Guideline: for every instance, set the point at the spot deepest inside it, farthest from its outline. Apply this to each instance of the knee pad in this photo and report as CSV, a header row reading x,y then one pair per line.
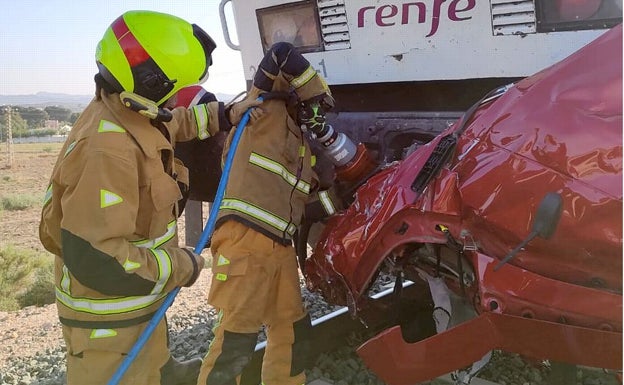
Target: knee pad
x,y
175,372
236,352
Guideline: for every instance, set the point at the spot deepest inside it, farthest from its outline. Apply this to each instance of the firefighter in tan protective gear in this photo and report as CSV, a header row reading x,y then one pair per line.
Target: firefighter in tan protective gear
x,y
255,278
110,210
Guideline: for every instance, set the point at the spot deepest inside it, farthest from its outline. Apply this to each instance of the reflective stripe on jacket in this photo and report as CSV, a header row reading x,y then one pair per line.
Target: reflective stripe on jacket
x,y
110,213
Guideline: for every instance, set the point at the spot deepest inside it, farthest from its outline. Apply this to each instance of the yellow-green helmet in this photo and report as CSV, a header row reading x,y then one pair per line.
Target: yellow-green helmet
x,y
153,54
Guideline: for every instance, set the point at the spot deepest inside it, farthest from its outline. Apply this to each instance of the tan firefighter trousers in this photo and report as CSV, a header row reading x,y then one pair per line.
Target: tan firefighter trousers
x,y
93,355
255,282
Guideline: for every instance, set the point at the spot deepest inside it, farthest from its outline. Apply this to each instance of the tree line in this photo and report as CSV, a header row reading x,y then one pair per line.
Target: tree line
x,y
30,121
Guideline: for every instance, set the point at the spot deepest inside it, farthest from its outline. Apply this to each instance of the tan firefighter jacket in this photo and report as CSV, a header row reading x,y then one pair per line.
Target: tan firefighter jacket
x,y
271,178
109,213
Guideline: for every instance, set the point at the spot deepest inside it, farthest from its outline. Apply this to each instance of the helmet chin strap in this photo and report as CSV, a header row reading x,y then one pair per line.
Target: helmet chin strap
x,y
145,107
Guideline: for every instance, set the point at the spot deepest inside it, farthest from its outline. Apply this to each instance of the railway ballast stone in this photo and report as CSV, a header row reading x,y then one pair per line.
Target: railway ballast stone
x,y
32,350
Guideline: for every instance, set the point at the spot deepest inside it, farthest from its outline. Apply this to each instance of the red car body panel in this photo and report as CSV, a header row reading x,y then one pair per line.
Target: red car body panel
x,y
526,321
398,363
559,130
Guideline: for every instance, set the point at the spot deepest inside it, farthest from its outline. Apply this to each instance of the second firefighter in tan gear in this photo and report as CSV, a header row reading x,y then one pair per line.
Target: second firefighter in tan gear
x,y
255,278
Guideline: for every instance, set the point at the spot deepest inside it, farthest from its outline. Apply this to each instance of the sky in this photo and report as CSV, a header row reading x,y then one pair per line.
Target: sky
x,y
49,45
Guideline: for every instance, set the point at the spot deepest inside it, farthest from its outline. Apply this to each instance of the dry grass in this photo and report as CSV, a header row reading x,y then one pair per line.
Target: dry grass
x,y
26,266
22,187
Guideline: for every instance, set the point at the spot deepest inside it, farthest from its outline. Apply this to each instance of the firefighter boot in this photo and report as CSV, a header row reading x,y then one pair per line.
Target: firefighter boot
x,y
176,372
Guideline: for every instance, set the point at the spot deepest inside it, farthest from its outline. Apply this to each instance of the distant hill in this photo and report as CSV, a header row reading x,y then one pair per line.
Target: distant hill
x,y
43,99
76,103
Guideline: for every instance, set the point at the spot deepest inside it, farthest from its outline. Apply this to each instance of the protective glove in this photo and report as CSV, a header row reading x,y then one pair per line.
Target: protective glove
x,y
311,116
198,265
236,111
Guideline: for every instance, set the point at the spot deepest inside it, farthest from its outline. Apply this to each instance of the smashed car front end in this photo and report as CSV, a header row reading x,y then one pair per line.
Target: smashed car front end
x,y
452,211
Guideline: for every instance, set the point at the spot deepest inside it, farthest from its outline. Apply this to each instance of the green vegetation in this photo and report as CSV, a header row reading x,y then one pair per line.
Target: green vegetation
x,y
26,278
61,114
15,202
32,121
36,148
41,292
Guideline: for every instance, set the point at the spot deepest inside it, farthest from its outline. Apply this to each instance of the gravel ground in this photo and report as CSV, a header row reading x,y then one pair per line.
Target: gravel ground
x,y
32,350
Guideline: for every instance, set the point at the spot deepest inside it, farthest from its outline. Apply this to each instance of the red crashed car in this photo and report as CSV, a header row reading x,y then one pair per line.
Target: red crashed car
x,y
508,224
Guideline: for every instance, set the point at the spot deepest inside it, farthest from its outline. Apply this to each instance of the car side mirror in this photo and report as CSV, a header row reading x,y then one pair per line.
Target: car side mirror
x,y
544,225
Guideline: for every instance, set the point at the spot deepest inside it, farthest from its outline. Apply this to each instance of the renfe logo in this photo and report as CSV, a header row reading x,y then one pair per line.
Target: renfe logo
x,y
387,15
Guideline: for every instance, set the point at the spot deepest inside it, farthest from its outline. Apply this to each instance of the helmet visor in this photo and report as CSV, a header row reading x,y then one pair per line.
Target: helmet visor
x,y
208,45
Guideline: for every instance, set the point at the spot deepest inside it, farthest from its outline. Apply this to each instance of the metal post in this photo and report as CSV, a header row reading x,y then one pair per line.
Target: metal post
x,y
193,222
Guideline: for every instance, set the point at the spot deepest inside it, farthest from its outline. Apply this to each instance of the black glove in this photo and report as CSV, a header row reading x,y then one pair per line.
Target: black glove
x,y
311,116
198,265
314,212
234,112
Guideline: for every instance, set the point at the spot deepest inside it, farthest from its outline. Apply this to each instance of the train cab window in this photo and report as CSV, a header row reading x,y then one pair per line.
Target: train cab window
x,y
564,15
295,23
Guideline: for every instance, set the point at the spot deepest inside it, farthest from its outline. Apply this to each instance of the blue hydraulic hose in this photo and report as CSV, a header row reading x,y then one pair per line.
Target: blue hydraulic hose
x,y
212,219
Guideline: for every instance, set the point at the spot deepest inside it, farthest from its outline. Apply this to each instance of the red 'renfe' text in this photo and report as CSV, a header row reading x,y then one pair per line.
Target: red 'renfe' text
x,y
405,13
